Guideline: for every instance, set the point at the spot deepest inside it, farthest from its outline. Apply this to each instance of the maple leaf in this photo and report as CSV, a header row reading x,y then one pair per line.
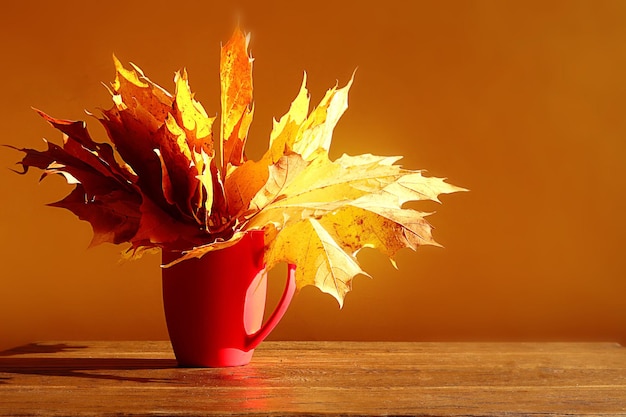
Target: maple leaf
x,y
236,93
105,194
356,202
321,261
174,193
114,216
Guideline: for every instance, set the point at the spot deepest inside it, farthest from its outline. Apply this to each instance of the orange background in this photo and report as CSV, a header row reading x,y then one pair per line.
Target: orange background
x,y
522,102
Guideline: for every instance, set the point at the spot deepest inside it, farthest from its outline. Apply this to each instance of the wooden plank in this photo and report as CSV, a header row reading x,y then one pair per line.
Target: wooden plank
x,y
317,378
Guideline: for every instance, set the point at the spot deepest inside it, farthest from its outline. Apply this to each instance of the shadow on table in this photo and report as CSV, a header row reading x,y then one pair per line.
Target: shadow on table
x,y
41,348
76,367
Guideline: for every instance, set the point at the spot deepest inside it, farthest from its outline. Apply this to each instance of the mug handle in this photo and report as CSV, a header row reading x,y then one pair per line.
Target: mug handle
x,y
253,340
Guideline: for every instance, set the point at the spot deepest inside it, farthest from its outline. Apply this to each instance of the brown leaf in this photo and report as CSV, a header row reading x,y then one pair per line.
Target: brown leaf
x,y
114,217
105,194
56,160
158,228
99,156
135,136
180,181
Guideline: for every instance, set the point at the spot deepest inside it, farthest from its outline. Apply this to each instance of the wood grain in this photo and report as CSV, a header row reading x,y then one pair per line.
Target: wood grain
x,y
317,378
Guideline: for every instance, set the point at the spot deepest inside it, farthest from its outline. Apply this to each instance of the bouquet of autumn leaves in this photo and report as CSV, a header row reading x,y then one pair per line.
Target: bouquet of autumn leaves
x,y
168,189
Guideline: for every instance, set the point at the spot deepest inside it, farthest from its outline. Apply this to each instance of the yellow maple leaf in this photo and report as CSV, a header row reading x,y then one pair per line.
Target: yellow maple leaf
x,y
321,261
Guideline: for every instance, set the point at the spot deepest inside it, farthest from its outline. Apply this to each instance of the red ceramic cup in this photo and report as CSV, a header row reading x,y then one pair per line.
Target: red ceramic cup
x,y
214,305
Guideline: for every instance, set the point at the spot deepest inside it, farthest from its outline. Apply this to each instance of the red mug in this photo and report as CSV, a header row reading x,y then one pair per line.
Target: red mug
x,y
214,305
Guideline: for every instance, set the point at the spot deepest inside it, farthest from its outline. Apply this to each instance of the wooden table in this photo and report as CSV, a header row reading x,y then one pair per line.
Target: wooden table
x,y
317,378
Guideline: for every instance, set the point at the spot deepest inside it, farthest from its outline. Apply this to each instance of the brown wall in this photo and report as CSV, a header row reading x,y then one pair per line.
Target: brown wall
x,y
522,102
